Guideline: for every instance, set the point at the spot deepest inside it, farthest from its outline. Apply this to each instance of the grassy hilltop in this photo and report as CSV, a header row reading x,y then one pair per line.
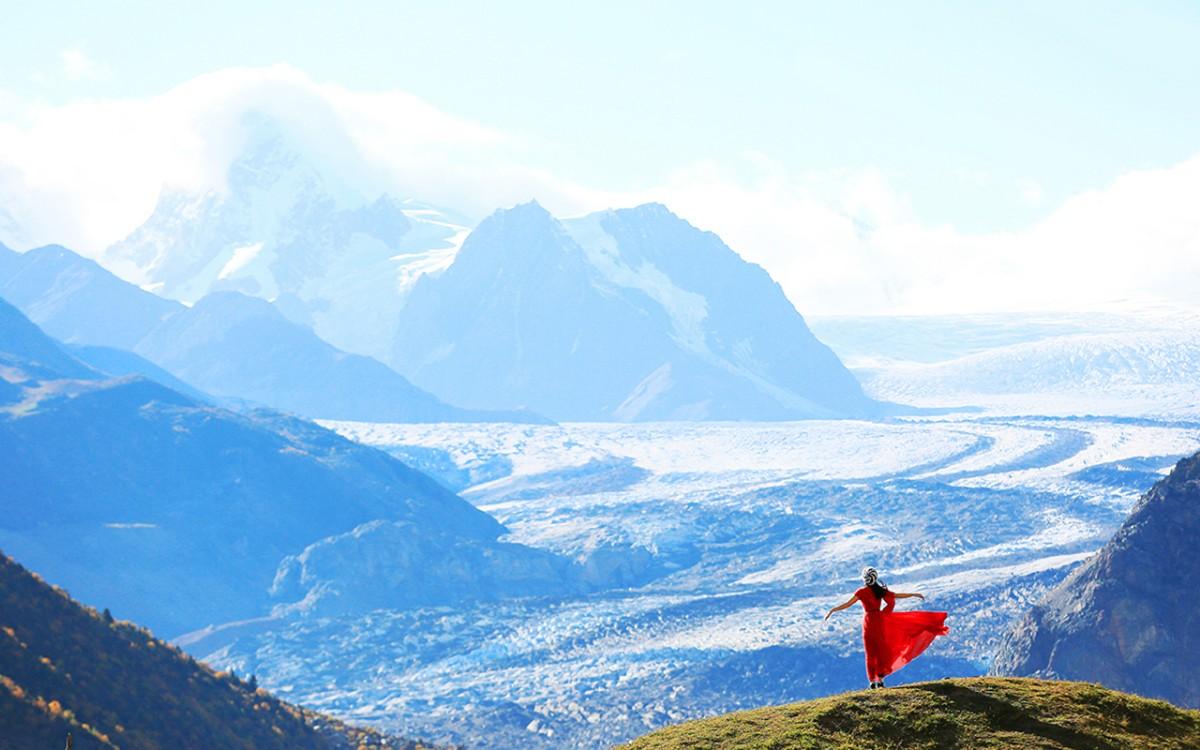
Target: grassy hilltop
x,y
1008,713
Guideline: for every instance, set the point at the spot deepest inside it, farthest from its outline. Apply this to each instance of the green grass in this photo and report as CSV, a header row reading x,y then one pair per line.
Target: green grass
x,y
1008,713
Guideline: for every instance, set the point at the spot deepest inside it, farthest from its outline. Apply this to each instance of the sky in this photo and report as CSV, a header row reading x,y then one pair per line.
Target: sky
x,y
874,157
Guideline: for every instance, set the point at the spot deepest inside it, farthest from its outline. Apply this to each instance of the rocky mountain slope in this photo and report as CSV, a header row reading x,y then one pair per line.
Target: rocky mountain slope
x,y
1128,618
66,670
1004,714
624,315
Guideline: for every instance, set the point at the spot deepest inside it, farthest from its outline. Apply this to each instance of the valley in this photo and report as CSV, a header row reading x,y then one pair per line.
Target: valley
x,y
732,538
555,389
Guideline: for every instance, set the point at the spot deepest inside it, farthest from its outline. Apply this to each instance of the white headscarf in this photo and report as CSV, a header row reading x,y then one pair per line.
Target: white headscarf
x,y
870,576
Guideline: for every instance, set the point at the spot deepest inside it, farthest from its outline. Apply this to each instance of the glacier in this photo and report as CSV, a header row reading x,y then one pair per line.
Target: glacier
x,y
1130,361
751,530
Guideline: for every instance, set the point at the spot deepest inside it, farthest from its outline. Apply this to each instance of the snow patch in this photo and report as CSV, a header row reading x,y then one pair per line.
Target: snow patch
x,y
652,386
240,258
687,310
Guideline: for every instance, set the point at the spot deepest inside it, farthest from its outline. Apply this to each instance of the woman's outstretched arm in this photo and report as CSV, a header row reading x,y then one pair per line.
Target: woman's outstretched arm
x,y
913,595
842,606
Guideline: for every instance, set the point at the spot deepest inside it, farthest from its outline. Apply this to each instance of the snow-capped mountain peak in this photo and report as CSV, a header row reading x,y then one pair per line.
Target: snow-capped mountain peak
x,y
286,228
272,162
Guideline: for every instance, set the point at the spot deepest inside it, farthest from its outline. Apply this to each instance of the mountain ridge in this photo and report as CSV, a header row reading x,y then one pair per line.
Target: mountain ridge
x,y
77,300
242,347
580,324
20,339
628,314
239,348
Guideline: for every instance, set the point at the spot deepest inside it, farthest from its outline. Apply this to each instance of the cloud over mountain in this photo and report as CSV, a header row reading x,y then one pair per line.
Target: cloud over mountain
x,y
86,173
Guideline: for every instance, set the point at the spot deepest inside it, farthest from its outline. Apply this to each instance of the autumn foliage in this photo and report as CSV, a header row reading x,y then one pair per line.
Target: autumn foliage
x,y
66,669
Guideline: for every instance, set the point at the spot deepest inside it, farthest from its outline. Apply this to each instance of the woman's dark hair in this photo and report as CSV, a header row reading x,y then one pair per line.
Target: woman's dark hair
x,y
878,589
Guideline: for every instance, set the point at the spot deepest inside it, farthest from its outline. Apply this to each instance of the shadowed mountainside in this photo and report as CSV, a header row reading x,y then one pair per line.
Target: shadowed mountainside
x,y
175,512
67,669
182,515
1127,618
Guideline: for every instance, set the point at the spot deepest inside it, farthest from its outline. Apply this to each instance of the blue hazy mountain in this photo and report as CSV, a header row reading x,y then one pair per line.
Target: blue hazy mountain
x,y
24,345
236,346
76,301
174,512
227,345
631,314
118,362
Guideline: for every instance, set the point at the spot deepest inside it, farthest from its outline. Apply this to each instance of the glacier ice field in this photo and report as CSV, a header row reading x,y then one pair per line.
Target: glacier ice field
x,y
748,532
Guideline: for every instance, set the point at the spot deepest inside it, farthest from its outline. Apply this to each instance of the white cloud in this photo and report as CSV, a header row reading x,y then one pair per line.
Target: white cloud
x,y
77,66
853,247
86,173
1031,192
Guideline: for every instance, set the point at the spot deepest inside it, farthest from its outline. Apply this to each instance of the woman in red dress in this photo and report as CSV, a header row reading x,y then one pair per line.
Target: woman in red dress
x,y
891,639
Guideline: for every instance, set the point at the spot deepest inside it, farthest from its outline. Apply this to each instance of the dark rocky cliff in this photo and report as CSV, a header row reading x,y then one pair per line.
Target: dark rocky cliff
x,y
1129,617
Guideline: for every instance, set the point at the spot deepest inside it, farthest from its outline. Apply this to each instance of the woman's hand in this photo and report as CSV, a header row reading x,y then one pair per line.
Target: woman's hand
x,y
842,606
920,596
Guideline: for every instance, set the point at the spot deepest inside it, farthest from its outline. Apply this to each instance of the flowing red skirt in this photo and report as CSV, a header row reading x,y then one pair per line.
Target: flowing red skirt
x,y
893,639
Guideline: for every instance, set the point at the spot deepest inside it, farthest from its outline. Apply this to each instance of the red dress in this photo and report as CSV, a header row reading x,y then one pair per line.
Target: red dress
x,y
893,639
